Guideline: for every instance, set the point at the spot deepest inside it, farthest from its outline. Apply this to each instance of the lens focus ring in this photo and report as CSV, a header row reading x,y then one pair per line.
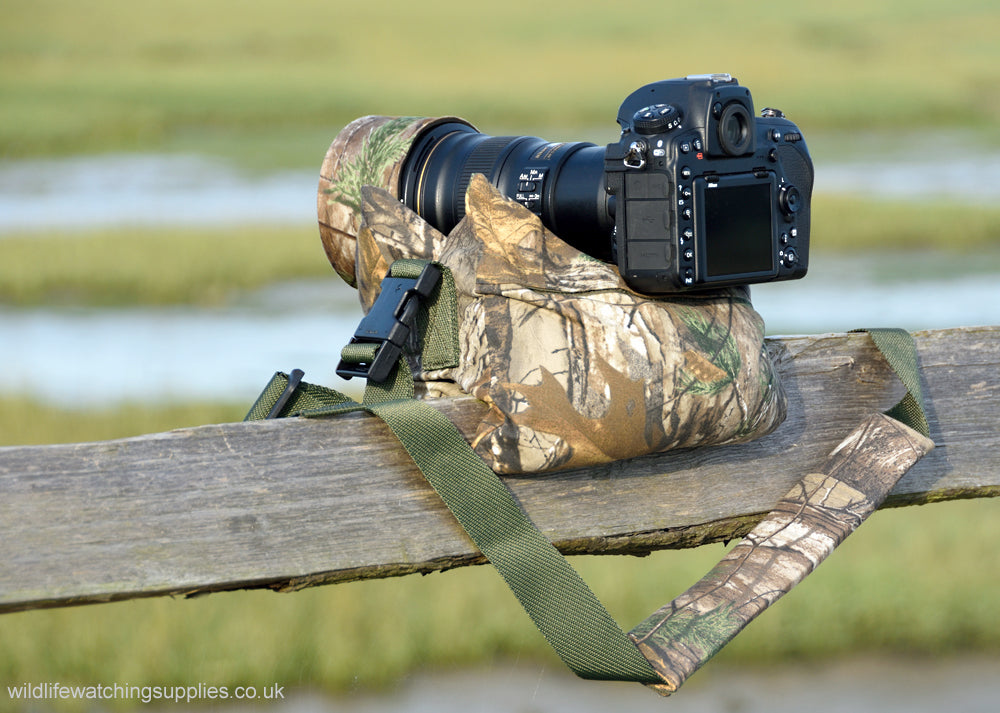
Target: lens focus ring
x,y
482,159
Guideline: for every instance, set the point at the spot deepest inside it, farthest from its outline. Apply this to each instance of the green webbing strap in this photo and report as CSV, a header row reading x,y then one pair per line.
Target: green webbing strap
x,y
306,398
438,323
437,319
900,351
559,602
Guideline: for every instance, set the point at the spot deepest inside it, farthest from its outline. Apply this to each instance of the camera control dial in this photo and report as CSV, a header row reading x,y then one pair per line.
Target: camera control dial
x,y
789,200
656,119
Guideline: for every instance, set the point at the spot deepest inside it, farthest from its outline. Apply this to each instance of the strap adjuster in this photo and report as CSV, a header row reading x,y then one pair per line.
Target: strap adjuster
x,y
390,325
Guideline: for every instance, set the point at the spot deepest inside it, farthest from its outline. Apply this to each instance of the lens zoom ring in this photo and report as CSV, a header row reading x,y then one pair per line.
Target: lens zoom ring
x,y
482,159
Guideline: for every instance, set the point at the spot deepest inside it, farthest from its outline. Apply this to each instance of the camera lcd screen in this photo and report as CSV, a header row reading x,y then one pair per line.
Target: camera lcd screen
x,y
738,236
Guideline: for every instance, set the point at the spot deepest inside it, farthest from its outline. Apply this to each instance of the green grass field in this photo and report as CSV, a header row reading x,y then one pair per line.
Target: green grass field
x,y
158,267
268,85
262,81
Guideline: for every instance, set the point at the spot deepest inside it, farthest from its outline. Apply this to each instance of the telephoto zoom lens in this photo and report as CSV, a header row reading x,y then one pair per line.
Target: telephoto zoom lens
x,y
563,183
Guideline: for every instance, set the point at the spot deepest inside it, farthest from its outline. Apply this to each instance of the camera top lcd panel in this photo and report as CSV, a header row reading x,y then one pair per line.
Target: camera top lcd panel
x,y
705,194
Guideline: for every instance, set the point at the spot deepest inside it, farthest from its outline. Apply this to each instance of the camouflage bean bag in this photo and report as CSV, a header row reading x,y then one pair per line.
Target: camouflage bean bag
x,y
576,368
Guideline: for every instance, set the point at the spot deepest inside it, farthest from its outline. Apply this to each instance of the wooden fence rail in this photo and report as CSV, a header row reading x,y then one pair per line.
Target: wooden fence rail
x,y
297,502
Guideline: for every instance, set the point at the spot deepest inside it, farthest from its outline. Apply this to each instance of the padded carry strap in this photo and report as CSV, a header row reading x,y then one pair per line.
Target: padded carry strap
x,y
664,650
807,524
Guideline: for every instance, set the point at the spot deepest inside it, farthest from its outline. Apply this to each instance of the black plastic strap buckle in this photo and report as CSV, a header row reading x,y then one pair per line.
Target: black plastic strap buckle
x,y
391,324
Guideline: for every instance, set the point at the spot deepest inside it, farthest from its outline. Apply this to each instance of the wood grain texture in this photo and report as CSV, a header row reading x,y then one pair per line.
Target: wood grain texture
x,y
291,503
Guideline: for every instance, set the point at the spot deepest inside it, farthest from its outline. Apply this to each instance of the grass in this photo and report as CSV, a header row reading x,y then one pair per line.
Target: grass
x,y
157,267
912,581
26,422
103,75
851,224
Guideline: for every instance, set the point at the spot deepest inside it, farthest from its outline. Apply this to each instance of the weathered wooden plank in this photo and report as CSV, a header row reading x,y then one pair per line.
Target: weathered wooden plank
x,y
296,502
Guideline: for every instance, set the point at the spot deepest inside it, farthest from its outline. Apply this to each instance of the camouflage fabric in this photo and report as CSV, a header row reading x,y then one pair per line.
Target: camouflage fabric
x,y
577,369
368,152
802,530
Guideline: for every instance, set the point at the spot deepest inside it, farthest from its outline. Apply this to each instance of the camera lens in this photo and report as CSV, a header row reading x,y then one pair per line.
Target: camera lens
x,y
563,183
735,129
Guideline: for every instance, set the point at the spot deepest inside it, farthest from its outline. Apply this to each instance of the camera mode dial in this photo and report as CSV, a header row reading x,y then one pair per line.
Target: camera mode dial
x,y
656,119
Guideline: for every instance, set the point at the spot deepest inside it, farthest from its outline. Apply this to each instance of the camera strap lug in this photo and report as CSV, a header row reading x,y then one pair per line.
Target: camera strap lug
x,y
636,155
389,328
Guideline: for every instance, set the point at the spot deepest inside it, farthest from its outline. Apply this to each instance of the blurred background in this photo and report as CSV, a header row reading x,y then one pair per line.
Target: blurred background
x,y
159,260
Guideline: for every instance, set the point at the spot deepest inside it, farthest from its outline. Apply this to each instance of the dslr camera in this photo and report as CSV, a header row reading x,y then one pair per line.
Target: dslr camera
x,y
697,193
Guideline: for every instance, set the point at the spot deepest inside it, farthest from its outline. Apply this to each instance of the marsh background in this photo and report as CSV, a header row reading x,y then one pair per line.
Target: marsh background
x,y
159,260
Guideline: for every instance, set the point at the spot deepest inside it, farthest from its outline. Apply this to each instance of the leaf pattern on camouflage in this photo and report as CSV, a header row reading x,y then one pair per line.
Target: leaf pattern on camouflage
x,y
529,255
383,147
754,419
386,235
697,635
616,434
716,362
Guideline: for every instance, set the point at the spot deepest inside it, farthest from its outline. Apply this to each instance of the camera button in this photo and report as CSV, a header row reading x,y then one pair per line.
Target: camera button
x,y
789,200
789,258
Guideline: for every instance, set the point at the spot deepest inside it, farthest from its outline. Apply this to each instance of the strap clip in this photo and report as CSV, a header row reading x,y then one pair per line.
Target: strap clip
x,y
391,325
294,379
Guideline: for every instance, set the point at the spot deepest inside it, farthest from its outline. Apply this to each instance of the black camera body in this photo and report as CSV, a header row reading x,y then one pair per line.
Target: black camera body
x,y
696,194
705,194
